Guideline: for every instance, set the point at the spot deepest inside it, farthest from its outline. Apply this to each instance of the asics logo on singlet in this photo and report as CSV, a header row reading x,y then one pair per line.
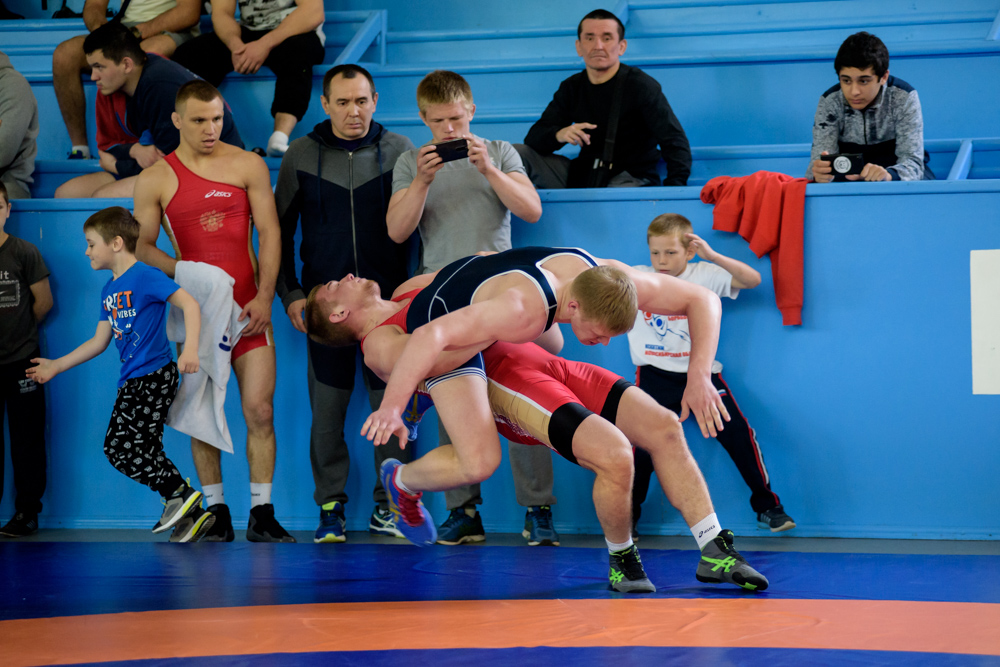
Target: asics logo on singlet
x,y
217,193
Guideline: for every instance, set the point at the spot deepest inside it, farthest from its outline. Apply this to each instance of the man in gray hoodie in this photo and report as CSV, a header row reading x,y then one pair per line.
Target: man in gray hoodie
x,y
18,129
338,181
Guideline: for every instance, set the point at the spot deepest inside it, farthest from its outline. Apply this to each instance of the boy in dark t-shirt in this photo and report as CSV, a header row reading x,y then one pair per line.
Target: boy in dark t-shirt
x,y
25,299
133,312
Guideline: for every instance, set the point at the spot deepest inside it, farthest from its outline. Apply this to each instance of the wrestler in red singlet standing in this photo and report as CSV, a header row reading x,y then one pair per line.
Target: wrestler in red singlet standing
x,y
210,196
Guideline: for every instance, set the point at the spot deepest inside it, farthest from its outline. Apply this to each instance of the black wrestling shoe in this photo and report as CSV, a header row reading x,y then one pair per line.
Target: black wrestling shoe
x,y
626,574
222,529
263,527
720,562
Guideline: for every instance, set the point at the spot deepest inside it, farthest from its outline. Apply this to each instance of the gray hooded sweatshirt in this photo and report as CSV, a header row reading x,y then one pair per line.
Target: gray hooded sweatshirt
x,y
18,129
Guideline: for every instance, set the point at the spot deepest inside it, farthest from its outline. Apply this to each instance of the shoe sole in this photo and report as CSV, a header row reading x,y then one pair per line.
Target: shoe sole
x,y
199,528
736,579
788,525
634,587
385,532
526,534
463,540
185,509
330,539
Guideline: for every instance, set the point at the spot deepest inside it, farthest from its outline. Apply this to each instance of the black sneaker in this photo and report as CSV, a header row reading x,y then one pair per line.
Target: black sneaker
x,y
626,574
222,529
775,519
21,525
460,528
177,506
263,527
194,526
720,562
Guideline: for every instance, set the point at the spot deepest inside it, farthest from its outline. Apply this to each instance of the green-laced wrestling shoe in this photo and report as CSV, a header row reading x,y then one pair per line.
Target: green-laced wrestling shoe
x,y
626,574
720,562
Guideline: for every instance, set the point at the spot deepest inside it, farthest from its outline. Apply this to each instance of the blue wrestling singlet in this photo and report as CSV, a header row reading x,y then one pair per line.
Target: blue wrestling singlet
x,y
455,287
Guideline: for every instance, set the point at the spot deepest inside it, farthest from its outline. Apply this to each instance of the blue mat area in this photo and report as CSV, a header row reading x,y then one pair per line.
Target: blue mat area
x,y
546,657
41,580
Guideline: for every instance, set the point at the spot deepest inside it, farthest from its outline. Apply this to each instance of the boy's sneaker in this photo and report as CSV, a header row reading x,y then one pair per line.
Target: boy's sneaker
x,y
538,528
21,525
459,528
177,506
409,514
721,562
775,519
263,527
194,526
383,523
419,404
626,574
222,528
331,524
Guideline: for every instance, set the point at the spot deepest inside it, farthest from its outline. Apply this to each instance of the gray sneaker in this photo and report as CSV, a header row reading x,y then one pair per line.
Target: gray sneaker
x,y
720,562
177,506
193,527
626,574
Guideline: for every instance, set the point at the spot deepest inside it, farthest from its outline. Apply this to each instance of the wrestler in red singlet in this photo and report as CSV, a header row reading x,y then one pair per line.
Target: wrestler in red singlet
x,y
399,319
208,221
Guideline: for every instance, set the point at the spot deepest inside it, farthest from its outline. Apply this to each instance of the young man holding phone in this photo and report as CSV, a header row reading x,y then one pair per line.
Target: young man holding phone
x,y
461,202
869,126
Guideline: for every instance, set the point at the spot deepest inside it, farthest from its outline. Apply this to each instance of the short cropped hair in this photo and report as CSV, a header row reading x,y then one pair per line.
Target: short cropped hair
x,y
112,222
608,296
863,50
319,326
116,42
198,89
601,15
348,71
670,224
3,193
443,87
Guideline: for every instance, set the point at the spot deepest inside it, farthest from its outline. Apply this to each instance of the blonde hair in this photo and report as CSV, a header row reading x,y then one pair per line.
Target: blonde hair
x,y
669,224
321,329
443,87
607,296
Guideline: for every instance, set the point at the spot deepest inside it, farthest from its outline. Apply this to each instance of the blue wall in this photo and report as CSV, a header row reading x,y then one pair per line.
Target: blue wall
x,y
865,413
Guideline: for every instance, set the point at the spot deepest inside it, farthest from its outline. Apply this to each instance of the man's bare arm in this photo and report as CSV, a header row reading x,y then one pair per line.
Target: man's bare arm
x,y
307,16
224,23
149,213
265,219
95,14
182,16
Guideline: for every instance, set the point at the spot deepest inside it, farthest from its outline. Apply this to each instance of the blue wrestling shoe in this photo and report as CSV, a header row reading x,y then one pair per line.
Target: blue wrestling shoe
x,y
411,517
420,404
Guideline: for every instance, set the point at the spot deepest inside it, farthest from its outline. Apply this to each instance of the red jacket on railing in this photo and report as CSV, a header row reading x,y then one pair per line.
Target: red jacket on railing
x,y
766,209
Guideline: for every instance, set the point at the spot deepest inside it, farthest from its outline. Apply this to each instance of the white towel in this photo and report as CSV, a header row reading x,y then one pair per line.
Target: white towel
x,y
199,407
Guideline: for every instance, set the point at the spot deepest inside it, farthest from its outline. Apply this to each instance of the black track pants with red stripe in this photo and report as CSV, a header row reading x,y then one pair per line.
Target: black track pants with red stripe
x,y
738,438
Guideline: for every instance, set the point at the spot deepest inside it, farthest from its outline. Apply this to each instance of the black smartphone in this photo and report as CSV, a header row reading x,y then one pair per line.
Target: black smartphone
x,y
455,149
844,164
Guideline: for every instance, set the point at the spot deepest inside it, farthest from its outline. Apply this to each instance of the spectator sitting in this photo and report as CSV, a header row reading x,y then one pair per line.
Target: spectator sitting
x,y
150,84
284,35
18,129
160,25
580,113
869,113
461,207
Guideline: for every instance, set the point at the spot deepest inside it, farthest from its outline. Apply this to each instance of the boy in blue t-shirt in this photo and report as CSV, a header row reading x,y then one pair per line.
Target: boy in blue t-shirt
x,y
25,299
133,312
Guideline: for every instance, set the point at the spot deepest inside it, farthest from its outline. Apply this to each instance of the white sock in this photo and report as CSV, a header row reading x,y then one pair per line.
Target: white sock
x,y
277,144
260,494
612,547
705,530
213,494
399,481
85,150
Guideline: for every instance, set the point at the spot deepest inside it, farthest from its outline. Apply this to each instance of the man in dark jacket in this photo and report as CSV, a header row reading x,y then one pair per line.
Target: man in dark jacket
x,y
150,84
338,181
579,115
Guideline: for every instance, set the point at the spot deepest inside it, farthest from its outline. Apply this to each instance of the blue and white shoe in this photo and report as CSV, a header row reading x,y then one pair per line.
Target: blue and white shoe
x,y
419,404
411,517
331,524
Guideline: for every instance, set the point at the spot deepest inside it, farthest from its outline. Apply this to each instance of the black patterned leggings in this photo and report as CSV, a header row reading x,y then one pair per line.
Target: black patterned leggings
x,y
134,442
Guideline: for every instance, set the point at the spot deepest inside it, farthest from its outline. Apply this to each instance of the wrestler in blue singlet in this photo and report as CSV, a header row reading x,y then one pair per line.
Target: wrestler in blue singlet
x,y
455,287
